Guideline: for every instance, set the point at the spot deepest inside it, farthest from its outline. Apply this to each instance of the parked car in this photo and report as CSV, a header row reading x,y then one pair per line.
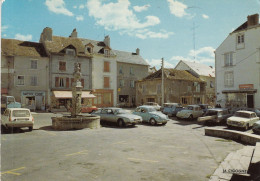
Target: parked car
x,y
205,107
256,127
156,106
17,118
171,109
215,115
150,115
88,109
242,119
9,102
190,112
257,111
118,115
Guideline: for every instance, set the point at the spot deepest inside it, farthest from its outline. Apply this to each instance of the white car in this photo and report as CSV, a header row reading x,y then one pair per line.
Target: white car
x,y
242,119
17,118
156,106
190,112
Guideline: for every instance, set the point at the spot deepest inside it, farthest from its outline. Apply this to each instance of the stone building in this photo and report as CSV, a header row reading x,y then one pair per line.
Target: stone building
x,y
63,53
237,62
180,86
25,73
205,73
130,68
104,69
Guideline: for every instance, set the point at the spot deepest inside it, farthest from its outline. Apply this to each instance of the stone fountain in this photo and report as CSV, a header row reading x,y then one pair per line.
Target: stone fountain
x,y
76,120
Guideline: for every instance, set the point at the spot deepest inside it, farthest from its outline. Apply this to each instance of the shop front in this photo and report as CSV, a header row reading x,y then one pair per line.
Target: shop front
x,y
33,100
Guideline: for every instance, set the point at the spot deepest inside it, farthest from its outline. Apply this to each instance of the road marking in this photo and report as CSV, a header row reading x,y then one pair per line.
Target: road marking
x,y
137,159
12,171
78,153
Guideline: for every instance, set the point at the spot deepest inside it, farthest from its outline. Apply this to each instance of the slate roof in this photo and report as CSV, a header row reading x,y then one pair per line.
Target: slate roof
x,y
129,57
173,74
58,44
12,47
200,69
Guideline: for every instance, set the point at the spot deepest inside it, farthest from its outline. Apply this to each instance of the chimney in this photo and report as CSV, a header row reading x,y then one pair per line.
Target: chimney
x,y
107,40
46,35
252,20
74,33
137,51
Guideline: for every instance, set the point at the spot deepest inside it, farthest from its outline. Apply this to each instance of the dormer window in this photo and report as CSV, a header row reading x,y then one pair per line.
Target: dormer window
x,y
89,49
107,52
70,52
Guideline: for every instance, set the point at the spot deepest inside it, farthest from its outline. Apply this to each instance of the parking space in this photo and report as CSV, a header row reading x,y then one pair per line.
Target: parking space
x,y
177,151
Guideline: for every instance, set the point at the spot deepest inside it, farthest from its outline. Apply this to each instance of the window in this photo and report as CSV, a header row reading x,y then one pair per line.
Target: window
x,y
159,88
70,52
184,100
79,66
33,64
106,82
131,71
33,81
228,58
121,83
62,66
106,66
240,39
20,80
89,49
120,70
198,87
132,83
211,84
61,82
229,79
106,52
189,88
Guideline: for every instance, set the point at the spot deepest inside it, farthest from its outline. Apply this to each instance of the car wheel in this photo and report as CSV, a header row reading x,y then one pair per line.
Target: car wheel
x,y
153,122
247,127
229,127
191,117
30,128
121,123
163,123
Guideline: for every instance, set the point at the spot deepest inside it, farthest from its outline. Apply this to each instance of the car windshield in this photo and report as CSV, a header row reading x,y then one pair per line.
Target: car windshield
x,y
10,99
242,114
189,108
21,113
211,113
151,110
120,111
167,105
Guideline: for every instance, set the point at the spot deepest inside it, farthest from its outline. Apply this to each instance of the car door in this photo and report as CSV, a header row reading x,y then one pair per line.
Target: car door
x,y
144,114
103,114
253,119
110,115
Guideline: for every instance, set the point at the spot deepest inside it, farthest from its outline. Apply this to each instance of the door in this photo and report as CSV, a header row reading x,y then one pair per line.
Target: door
x,y
39,102
250,101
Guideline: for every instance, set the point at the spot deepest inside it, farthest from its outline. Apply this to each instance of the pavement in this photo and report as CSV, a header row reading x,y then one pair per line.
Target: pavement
x,y
177,151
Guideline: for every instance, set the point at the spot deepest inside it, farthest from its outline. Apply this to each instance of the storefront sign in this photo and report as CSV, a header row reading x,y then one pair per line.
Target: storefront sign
x,y
32,93
246,86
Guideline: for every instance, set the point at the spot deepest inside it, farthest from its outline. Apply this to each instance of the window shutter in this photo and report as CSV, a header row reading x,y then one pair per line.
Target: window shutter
x,y
71,81
106,82
67,82
56,81
82,82
106,67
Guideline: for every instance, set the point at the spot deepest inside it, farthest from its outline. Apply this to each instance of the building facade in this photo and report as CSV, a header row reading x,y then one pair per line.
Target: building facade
x,y
205,73
130,68
237,62
63,53
180,86
25,73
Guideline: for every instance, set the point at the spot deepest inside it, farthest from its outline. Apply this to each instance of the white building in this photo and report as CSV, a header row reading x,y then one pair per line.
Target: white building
x,y
237,62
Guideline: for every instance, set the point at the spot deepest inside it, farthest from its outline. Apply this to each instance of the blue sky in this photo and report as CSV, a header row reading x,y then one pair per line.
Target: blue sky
x,y
160,28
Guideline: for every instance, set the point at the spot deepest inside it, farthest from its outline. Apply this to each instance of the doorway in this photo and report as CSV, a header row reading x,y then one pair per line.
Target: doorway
x,y
250,101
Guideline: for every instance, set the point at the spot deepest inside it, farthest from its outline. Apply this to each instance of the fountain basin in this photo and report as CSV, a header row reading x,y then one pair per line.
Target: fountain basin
x,y
79,122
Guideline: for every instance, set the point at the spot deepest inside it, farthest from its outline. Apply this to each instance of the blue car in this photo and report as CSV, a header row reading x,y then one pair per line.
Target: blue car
x,y
171,109
150,115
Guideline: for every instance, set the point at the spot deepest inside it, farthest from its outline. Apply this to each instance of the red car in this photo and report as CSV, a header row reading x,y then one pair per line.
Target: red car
x,y
88,109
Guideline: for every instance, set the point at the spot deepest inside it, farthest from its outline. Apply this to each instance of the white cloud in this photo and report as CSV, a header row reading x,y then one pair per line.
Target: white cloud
x,y
158,63
4,28
81,6
119,17
141,8
177,8
143,34
205,16
80,18
75,7
23,37
5,35
203,55
58,7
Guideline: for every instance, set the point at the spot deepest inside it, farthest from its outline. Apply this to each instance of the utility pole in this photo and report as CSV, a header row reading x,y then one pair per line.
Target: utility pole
x,y
162,81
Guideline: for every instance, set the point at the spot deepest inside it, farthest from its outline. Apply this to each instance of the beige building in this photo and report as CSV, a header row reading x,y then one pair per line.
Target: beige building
x,y
180,86
130,68
63,53
205,73
25,73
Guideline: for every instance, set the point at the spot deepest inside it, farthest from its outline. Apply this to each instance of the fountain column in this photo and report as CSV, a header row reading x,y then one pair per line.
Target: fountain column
x,y
76,91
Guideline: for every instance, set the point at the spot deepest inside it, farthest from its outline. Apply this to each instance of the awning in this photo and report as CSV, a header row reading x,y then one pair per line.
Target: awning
x,y
68,94
240,91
